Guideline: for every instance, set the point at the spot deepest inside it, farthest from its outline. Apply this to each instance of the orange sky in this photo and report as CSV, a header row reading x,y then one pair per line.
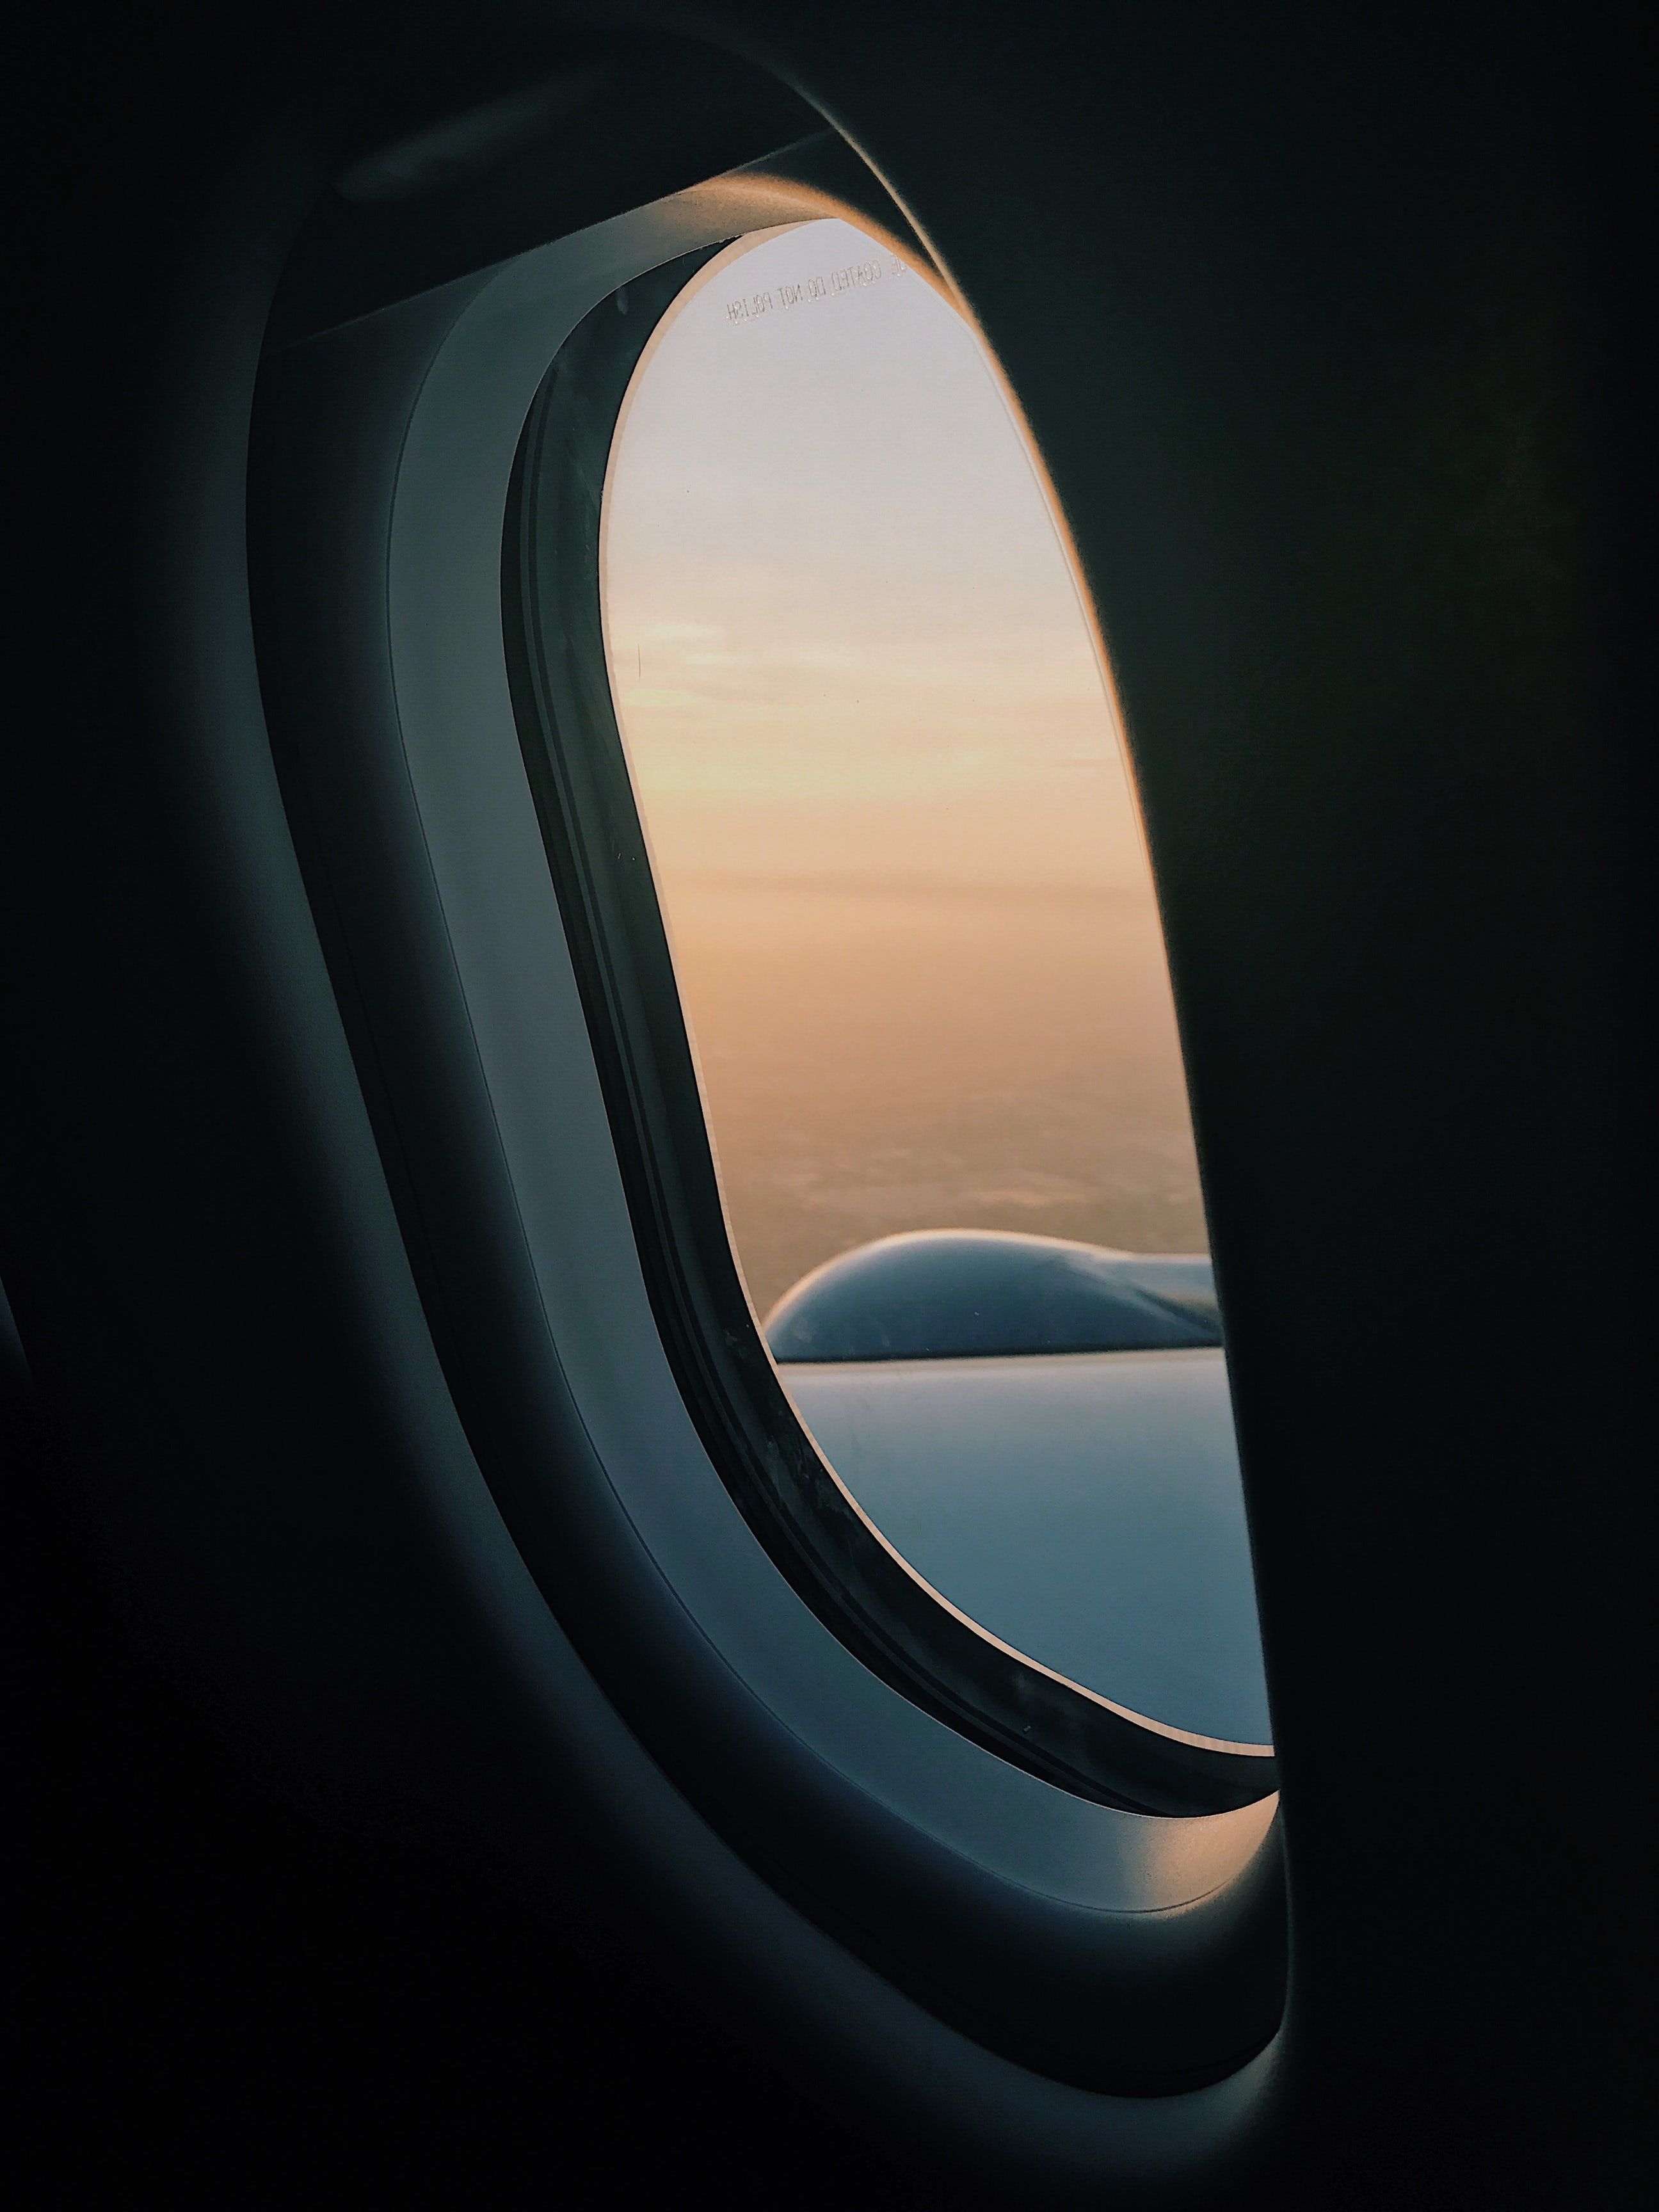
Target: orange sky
x,y
913,918
842,632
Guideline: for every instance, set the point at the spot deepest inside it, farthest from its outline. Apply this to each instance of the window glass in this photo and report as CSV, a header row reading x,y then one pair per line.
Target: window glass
x,y
914,928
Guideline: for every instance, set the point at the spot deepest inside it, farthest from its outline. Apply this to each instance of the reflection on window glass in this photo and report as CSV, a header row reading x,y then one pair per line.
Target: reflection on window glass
x,y
920,956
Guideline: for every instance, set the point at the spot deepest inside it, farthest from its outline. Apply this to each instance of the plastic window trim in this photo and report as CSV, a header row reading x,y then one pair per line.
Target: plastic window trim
x,y
1104,1946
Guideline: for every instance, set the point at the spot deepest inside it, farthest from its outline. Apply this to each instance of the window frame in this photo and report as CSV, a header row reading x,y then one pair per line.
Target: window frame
x,y
1106,1948
814,1530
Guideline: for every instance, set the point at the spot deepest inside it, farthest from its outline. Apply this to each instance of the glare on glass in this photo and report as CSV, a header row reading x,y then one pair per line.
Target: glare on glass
x,y
875,752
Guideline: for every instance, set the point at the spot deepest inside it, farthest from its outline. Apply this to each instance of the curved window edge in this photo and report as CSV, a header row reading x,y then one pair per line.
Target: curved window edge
x,y
826,1546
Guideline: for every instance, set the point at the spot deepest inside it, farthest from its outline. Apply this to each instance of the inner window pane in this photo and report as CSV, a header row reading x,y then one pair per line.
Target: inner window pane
x,y
913,926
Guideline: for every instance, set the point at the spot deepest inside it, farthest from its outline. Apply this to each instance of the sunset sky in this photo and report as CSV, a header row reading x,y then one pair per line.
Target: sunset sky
x,y
899,859
842,631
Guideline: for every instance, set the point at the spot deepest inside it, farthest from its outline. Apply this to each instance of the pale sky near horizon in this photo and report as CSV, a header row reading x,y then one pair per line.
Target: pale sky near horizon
x,y
843,635
912,913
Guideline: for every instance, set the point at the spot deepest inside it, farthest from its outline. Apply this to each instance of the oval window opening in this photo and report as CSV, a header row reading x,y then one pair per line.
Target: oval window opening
x,y
913,926
832,793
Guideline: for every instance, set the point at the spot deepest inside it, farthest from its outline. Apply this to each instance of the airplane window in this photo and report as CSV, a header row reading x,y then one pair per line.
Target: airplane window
x,y
869,772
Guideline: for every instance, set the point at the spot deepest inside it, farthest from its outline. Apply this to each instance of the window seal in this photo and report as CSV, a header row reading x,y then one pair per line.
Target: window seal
x,y
813,1528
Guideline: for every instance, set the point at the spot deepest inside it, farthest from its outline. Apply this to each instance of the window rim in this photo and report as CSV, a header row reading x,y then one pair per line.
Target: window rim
x,y
814,1530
